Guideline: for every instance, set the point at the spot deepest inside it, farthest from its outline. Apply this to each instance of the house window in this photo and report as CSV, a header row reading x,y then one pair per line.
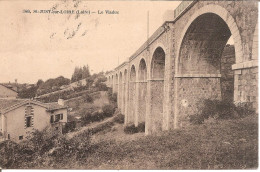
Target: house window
x,y
20,137
28,121
8,136
29,112
52,119
56,118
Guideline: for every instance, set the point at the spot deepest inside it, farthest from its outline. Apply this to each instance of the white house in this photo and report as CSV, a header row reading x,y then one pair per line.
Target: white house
x,y
19,117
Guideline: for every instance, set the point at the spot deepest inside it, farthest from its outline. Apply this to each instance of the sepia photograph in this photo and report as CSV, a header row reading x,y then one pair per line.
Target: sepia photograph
x,y
129,85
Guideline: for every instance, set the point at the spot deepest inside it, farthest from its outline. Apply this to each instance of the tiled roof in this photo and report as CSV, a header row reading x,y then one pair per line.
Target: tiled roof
x,y
10,104
6,103
54,106
10,88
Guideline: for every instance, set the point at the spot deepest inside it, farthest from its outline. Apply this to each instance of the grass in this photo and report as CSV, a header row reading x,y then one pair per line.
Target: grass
x,y
225,144
216,144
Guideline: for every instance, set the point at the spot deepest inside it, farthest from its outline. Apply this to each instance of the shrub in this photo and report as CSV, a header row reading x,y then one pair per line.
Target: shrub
x,y
69,127
86,118
112,96
130,129
88,98
220,110
141,127
244,109
97,116
108,110
102,127
44,149
120,118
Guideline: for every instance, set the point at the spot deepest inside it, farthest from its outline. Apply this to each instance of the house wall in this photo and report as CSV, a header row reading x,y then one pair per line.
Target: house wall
x,y
64,112
15,121
7,93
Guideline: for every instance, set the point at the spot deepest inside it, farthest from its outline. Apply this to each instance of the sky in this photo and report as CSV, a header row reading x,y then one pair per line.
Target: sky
x,y
41,46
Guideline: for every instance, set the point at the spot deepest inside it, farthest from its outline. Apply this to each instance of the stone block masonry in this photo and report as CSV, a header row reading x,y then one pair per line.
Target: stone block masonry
x,y
186,61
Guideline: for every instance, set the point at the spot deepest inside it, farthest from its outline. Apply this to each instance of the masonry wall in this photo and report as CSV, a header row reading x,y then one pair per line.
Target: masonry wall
x,y
227,74
246,86
157,97
192,92
142,102
244,14
200,74
132,102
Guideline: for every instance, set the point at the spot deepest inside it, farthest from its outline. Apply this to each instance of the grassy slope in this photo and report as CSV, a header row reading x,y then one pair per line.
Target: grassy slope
x,y
228,144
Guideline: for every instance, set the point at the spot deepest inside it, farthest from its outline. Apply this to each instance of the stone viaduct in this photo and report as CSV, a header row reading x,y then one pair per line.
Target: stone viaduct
x,y
180,64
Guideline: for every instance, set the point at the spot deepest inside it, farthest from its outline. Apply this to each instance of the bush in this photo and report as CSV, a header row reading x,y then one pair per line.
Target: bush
x,y
86,118
108,110
44,149
120,118
97,116
141,127
131,129
112,96
88,98
69,127
220,110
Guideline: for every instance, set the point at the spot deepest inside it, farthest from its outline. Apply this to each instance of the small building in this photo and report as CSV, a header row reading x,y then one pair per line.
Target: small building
x,y
19,117
7,92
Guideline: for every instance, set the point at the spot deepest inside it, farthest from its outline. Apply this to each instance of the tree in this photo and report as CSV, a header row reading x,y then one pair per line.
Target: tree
x,y
85,72
80,73
39,82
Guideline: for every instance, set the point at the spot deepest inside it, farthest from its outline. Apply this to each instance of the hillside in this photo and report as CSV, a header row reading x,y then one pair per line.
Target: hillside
x,y
227,144
216,144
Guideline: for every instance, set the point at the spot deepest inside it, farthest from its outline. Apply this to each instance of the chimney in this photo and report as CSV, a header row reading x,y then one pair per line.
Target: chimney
x,y
61,102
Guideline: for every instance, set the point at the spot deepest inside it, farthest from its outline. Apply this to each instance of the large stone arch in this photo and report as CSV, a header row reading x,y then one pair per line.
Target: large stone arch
x,y
199,52
159,44
229,20
142,90
156,88
132,95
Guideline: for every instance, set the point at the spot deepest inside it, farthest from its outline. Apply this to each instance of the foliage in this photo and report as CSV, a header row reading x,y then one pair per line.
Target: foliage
x,y
119,118
131,129
52,85
80,73
28,92
220,110
87,98
108,110
69,127
99,115
112,96
44,149
141,127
